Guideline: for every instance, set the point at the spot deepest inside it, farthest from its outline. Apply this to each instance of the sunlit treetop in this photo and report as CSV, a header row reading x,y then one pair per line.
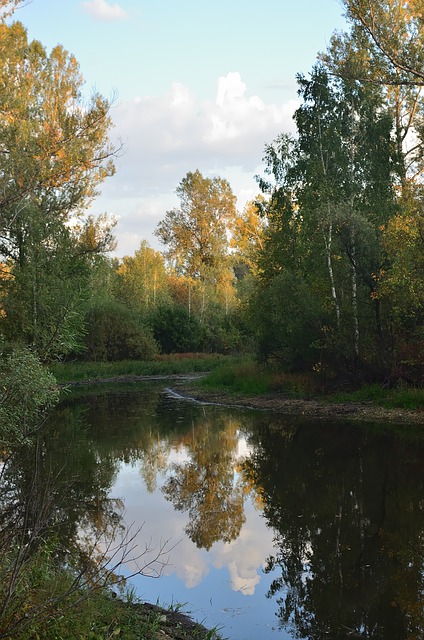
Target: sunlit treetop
x,y
385,44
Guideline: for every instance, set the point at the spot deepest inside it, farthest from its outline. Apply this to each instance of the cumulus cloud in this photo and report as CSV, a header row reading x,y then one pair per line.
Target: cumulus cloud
x,y
168,135
103,10
244,557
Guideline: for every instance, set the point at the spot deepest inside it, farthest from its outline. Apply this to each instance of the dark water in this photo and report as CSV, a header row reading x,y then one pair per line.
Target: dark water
x,y
270,527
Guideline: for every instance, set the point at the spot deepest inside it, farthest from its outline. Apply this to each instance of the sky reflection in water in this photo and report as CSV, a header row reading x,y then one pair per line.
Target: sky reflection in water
x,y
316,533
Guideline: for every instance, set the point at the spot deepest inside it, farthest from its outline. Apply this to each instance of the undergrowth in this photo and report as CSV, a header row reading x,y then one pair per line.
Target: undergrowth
x,y
163,365
249,378
403,398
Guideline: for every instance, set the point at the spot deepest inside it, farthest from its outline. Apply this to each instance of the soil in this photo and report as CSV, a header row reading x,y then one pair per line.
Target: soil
x,y
172,624
185,387
313,408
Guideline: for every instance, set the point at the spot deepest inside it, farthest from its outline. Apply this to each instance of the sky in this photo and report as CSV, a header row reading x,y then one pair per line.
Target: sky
x,y
194,85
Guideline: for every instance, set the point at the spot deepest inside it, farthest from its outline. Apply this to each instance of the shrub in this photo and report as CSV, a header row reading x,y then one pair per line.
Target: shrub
x,y
174,329
115,332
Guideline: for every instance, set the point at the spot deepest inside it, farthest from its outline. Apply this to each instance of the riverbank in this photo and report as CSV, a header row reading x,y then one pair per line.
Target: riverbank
x,y
185,386
164,624
314,408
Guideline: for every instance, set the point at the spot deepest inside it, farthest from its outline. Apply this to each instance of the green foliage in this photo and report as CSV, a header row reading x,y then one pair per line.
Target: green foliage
x,y
245,378
161,365
401,398
318,301
174,329
55,153
222,332
114,332
27,392
288,321
44,297
84,614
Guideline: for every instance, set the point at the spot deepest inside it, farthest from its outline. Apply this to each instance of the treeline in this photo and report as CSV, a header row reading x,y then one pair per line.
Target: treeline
x,y
323,272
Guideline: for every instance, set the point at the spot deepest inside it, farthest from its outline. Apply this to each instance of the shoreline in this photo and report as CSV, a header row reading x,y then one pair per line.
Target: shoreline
x,y
275,402
313,408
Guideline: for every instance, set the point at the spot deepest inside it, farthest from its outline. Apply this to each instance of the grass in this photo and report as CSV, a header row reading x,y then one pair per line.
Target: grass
x,y
238,376
101,617
46,606
163,365
402,398
246,377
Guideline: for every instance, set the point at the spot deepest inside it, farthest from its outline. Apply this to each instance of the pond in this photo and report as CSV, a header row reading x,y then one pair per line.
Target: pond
x,y
266,526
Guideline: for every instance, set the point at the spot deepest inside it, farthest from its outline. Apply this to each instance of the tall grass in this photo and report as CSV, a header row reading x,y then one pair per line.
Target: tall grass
x,y
164,365
403,398
236,375
249,378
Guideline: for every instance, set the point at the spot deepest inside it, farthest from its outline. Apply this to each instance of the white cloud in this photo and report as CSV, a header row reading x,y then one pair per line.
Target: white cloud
x,y
168,135
102,10
244,557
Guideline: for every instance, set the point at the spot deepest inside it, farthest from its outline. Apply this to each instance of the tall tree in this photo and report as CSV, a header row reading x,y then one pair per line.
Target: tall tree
x,y
330,196
384,47
54,153
197,233
389,34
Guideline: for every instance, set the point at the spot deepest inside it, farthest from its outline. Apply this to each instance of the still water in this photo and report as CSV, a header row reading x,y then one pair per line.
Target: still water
x,y
271,527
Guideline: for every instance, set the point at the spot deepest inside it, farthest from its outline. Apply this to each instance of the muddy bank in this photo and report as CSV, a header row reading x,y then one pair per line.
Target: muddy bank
x,y
184,386
314,408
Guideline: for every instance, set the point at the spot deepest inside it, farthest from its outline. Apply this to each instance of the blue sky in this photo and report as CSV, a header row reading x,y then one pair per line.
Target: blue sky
x,y
198,85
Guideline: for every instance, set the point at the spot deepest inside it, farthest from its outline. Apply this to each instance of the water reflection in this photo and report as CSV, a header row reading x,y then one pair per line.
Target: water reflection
x,y
204,485
346,504
48,496
325,520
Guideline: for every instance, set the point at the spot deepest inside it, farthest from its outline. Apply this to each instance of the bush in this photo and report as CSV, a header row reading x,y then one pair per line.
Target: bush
x,y
174,329
288,322
27,392
115,332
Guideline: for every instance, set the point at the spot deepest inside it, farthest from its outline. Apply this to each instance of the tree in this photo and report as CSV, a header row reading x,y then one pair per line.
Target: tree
x,y
7,7
330,196
197,234
248,236
143,279
47,293
391,34
384,48
55,149
54,154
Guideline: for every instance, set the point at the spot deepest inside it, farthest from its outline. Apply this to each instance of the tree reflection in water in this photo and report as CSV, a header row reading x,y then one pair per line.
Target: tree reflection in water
x,y
205,486
347,507
54,513
345,502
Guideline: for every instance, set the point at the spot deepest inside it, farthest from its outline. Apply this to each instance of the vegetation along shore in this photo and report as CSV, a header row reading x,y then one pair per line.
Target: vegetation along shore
x,y
311,298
